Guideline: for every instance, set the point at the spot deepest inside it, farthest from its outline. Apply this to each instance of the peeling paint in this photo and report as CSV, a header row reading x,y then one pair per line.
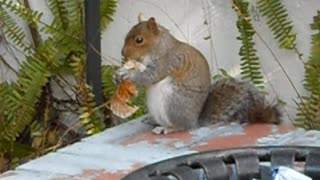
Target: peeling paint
x,y
90,174
156,139
8,174
246,137
204,133
299,137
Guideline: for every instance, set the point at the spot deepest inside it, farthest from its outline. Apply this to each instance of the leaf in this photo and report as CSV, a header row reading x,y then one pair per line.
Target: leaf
x,y
107,9
308,115
250,65
278,22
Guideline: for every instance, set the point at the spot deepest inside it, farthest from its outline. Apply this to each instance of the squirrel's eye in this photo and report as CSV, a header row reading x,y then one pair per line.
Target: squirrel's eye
x,y
139,40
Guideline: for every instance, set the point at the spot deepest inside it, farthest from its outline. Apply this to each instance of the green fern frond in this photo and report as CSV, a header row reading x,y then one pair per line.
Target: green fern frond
x,y
278,22
312,67
68,24
4,89
60,14
223,74
16,149
250,66
31,17
312,76
67,28
37,134
89,114
48,53
76,11
308,115
23,96
36,129
14,32
78,67
107,9
76,18
109,88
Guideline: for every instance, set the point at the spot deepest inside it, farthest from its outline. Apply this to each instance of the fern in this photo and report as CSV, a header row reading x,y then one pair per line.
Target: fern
x,y
23,96
76,21
60,13
13,31
222,75
30,16
109,88
107,9
64,41
308,115
76,14
278,22
89,114
250,66
39,133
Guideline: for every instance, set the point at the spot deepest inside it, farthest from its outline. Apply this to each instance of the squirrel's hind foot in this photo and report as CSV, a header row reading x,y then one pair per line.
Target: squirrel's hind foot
x,y
164,130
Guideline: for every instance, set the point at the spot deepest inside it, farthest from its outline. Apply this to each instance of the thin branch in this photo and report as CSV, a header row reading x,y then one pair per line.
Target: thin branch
x,y
171,19
212,52
7,64
96,51
34,32
8,46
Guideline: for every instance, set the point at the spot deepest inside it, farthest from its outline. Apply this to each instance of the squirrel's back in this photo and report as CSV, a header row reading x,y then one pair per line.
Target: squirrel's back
x,y
232,100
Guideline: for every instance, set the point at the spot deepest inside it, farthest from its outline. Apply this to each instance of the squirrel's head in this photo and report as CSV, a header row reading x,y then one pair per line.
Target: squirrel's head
x,y
140,39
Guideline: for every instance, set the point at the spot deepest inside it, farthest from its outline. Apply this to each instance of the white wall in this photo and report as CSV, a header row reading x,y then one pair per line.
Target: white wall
x,y
185,19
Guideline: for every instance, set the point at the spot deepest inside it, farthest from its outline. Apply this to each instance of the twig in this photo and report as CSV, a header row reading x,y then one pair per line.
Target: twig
x,y
213,52
8,46
7,64
34,32
171,19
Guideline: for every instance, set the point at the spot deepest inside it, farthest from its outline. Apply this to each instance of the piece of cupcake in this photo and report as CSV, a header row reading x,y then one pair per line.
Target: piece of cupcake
x,y
120,102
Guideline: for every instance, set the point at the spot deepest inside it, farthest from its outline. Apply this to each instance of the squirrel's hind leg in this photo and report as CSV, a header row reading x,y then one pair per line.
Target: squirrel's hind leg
x,y
150,121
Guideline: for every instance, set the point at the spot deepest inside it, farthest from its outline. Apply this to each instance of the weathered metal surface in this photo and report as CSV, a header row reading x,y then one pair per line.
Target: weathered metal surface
x,y
122,149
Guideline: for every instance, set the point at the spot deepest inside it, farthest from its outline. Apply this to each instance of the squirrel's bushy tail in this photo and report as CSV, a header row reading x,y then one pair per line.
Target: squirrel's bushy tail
x,y
264,113
232,100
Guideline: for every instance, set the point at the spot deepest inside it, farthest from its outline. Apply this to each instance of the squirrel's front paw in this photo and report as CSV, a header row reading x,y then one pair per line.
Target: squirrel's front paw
x,y
120,75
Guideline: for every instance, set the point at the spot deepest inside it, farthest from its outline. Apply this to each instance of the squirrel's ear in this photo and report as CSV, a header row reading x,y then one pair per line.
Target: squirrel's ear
x,y
152,25
140,17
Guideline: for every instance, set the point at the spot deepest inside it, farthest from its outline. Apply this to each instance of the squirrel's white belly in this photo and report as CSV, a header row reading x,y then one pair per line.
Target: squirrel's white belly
x,y
157,97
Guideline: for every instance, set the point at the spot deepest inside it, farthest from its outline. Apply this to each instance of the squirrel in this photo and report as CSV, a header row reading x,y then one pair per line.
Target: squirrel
x,y
180,95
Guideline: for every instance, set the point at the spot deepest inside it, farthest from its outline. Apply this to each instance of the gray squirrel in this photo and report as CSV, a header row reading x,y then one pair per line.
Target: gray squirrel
x,y
180,95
